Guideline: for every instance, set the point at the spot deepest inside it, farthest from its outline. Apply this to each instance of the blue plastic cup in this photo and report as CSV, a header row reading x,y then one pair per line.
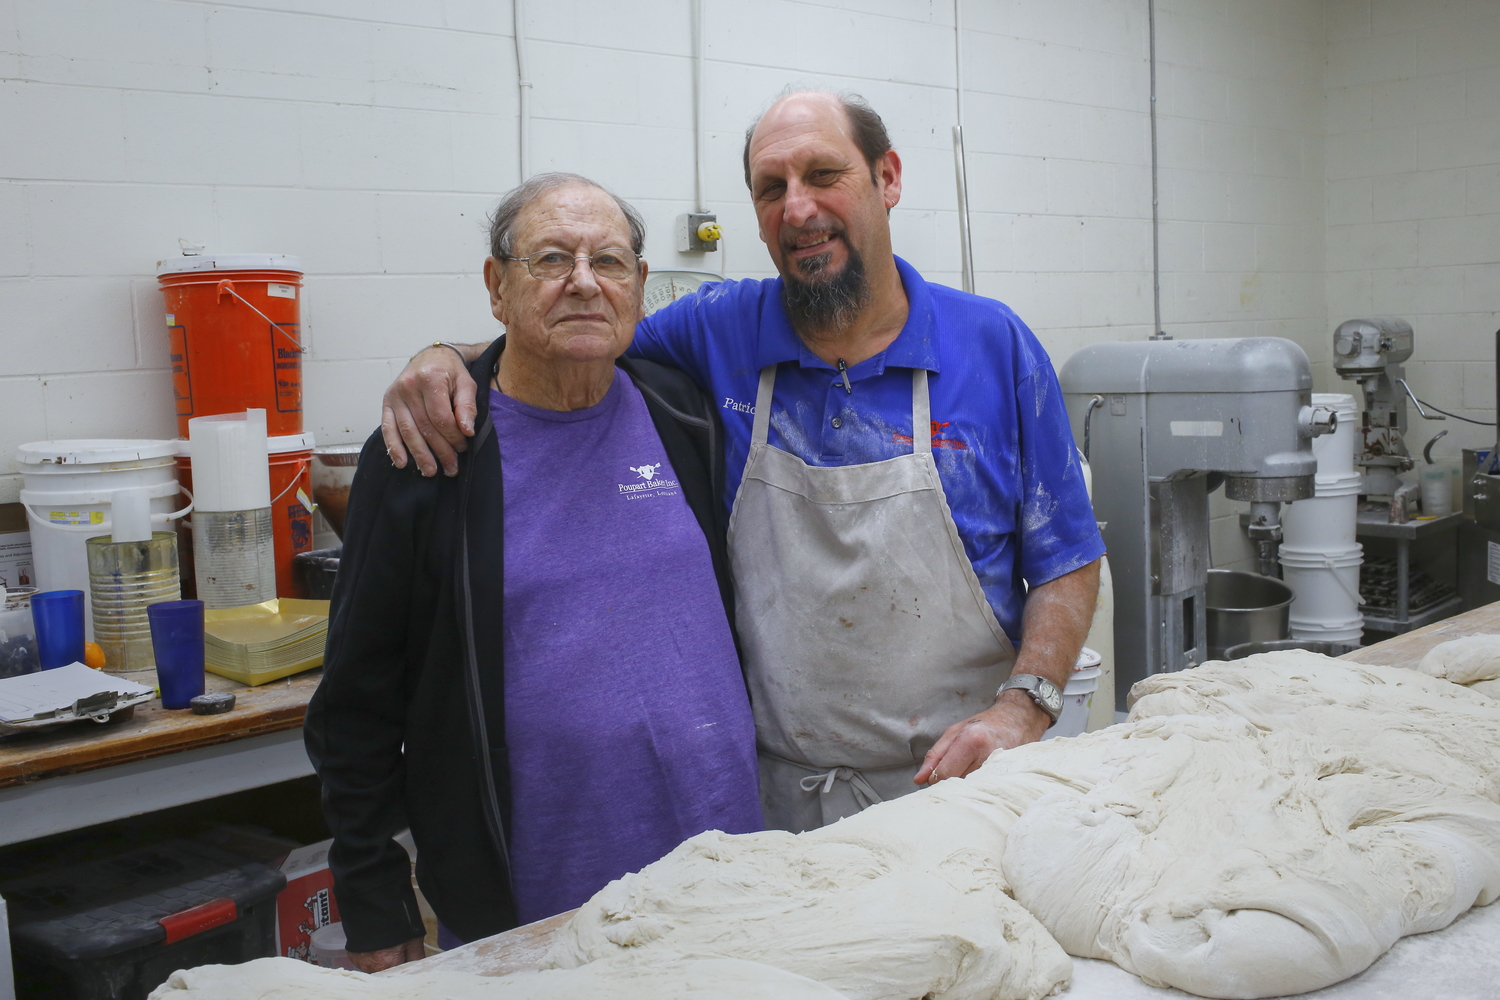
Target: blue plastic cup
x,y
58,617
177,641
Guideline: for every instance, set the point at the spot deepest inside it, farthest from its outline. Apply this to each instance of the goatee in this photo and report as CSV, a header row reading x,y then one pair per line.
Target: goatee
x,y
825,303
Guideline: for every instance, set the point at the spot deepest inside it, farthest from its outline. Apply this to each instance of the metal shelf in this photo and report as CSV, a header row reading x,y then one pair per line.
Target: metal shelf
x,y
1439,611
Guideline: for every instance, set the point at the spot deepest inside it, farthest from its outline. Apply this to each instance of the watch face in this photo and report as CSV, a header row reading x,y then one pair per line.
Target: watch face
x,y
1051,695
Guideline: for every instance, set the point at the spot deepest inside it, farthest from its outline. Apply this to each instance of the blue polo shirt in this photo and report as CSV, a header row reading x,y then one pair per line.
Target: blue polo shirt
x,y
1000,435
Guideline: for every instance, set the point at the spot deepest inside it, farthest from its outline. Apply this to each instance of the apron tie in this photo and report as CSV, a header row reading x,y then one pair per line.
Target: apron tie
x,y
864,794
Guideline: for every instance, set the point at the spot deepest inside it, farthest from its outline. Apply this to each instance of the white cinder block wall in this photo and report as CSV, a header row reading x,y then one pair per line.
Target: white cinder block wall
x,y
1413,160
371,138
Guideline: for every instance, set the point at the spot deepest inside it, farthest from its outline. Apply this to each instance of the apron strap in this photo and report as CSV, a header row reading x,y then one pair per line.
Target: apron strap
x,y
865,795
762,427
921,413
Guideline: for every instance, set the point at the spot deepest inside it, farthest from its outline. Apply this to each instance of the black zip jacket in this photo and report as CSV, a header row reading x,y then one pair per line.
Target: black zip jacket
x,y
407,727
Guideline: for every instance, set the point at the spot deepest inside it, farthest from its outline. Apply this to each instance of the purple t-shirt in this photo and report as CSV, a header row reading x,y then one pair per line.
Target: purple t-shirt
x,y
626,717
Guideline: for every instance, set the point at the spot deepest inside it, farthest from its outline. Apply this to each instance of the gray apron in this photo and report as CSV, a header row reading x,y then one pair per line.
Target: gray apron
x,y
864,628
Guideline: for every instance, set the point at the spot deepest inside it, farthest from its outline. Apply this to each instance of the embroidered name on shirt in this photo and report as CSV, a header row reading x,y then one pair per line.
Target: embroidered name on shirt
x,y
937,442
737,406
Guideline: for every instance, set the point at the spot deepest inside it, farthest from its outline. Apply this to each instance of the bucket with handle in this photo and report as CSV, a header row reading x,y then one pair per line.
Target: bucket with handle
x,y
67,495
235,333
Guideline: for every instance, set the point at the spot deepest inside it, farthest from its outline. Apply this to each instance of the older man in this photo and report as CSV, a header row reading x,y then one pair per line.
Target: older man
x,y
530,663
903,473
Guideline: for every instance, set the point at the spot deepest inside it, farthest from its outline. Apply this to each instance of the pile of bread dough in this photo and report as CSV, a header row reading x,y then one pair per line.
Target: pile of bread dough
x,y
1258,828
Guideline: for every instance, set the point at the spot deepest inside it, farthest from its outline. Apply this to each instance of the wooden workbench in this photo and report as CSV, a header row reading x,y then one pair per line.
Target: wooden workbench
x,y
1428,957
80,773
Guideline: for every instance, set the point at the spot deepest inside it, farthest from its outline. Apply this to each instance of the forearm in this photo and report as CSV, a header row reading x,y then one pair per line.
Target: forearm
x,y
1055,624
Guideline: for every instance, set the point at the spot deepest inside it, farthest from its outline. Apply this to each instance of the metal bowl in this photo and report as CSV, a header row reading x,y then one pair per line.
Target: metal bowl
x,y
1245,649
1245,607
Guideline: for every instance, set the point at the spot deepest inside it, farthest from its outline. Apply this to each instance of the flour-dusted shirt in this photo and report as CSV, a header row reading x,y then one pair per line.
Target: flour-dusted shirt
x,y
1000,435
627,721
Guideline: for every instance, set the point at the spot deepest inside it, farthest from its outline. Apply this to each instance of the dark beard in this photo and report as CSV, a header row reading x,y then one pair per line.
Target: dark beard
x,y
828,304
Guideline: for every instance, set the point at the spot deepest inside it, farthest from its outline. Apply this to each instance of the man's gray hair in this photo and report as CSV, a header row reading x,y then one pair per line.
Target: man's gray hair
x,y
503,219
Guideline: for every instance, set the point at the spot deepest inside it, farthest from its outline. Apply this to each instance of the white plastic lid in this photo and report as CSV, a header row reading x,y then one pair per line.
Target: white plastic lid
x,y
93,451
274,445
1087,659
230,262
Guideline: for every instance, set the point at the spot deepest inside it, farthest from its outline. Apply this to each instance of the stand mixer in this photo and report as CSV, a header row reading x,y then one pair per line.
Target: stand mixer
x,y
1163,423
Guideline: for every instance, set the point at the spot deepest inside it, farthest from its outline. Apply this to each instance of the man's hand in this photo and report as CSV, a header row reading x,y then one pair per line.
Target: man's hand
x,y
1012,721
430,409
389,958
1054,625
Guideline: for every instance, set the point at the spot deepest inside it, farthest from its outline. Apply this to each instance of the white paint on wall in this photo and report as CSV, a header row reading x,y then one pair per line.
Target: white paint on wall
x,y
1320,159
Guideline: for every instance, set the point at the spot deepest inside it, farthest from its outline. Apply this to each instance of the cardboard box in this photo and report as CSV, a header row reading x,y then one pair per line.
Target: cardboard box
x,y
15,548
307,903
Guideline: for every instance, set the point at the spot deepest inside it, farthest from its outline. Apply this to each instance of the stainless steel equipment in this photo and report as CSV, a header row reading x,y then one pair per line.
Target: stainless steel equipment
x,y
1163,423
1245,608
1370,352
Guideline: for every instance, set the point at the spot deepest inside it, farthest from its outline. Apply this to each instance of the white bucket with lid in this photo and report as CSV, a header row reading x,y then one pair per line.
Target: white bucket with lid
x,y
1078,696
68,486
1326,589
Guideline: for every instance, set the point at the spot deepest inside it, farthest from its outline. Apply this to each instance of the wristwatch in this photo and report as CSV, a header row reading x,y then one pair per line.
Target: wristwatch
x,y
1042,691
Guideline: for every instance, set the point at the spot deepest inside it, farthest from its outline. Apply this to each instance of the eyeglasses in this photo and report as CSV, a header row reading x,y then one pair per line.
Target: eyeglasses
x,y
615,263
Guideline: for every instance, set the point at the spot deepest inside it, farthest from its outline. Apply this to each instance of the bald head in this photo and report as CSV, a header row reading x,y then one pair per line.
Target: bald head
x,y
816,110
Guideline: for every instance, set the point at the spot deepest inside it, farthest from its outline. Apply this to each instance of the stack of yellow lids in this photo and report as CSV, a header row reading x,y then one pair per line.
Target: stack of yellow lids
x,y
263,642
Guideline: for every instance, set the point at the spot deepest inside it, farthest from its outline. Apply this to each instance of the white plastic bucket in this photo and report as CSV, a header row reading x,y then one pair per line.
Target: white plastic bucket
x,y
1078,696
1335,452
1320,523
66,493
1326,589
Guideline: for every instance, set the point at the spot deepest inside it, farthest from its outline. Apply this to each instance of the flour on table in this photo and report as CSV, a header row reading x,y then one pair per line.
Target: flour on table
x,y
671,977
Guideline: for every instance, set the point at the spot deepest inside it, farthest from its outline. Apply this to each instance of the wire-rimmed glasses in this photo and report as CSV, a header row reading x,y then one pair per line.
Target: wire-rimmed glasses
x,y
614,263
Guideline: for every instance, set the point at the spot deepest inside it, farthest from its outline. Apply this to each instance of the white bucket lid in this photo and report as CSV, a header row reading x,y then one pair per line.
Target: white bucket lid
x,y
274,445
1347,484
1316,559
93,451
230,262
1087,659
1342,402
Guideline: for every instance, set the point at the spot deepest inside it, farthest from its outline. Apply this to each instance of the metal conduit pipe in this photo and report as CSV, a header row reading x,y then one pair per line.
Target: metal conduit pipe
x,y
523,85
1157,333
965,241
699,199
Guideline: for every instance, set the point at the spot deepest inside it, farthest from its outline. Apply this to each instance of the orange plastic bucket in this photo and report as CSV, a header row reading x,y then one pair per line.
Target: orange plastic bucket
x,y
235,331
291,521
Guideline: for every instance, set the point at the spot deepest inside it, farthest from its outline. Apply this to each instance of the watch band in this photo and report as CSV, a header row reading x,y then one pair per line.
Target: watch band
x,y
1041,691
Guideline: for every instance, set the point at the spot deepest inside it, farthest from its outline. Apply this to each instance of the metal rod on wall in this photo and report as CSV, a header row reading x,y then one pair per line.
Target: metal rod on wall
x,y
523,84
698,196
1157,333
965,242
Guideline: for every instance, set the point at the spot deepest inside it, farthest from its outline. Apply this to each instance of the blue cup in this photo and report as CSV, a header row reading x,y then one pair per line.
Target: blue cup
x,y
58,617
177,641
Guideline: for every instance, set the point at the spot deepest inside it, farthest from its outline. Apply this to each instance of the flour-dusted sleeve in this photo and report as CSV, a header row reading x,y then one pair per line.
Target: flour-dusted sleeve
x,y
1058,530
679,334
356,721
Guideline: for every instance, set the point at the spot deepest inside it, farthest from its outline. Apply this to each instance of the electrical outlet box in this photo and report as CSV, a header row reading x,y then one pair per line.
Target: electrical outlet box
x,y
690,232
